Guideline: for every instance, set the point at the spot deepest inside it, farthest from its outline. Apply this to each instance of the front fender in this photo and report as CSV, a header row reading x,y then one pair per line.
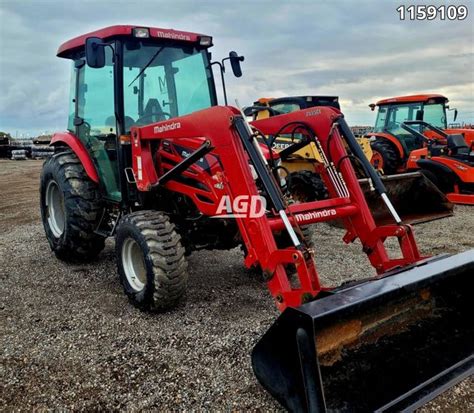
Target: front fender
x,y
72,141
438,168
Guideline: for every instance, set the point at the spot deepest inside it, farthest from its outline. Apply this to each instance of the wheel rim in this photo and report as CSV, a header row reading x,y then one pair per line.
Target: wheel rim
x,y
377,160
55,208
133,264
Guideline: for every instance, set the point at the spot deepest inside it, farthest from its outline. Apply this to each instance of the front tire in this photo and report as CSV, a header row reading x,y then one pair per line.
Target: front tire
x,y
441,181
70,208
306,186
150,260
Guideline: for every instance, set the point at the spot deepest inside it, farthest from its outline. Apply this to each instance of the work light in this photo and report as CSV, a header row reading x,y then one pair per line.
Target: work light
x,y
141,32
205,41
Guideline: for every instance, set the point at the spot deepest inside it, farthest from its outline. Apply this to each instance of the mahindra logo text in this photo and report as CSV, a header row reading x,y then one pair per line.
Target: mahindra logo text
x,y
315,215
167,127
174,36
243,206
313,112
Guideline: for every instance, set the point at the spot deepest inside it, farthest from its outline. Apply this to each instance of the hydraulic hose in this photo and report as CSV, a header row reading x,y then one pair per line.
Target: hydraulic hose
x,y
355,148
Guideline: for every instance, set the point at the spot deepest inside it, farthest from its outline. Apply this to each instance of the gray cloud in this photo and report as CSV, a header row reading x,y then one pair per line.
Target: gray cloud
x,y
358,50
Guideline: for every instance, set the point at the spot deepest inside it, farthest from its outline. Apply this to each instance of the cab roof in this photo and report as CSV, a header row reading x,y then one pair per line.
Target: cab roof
x,y
412,99
127,30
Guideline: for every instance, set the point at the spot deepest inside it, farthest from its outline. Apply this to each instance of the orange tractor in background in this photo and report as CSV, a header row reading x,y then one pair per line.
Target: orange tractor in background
x,y
411,133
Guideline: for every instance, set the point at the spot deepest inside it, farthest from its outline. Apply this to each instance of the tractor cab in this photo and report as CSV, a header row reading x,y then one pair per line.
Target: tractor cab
x,y
393,112
391,143
428,108
125,76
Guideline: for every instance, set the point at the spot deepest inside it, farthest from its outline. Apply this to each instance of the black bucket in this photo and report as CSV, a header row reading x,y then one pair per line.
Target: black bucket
x,y
415,198
389,344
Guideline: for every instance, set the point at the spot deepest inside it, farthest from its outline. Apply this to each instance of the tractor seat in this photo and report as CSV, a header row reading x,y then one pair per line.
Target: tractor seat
x,y
110,122
152,113
457,145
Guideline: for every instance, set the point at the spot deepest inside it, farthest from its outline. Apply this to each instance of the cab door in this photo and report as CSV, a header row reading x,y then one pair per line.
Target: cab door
x,y
96,124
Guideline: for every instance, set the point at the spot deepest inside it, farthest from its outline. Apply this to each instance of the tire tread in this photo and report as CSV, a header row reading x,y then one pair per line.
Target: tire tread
x,y
166,255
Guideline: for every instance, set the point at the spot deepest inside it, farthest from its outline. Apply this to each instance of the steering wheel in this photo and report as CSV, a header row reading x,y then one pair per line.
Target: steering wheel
x,y
140,120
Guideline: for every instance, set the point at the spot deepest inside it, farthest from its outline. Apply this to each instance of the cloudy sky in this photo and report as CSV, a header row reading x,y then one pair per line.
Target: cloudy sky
x,y
358,50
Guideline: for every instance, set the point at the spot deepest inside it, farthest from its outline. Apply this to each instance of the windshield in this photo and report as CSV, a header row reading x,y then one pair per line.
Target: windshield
x,y
164,82
287,107
390,117
397,114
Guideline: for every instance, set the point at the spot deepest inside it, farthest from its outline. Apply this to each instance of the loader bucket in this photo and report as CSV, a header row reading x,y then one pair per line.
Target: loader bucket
x,y
415,198
388,344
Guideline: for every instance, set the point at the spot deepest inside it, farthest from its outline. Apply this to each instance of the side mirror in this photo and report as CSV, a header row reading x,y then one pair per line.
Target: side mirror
x,y
235,60
455,115
95,52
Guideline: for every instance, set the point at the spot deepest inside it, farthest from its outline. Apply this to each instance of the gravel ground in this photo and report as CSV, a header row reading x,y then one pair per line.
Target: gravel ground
x,y
70,339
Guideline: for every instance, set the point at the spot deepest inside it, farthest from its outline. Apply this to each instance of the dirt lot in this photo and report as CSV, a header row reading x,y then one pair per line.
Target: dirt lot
x,y
70,340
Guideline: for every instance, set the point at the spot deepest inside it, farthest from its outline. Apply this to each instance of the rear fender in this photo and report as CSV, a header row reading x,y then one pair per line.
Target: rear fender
x,y
392,140
467,133
72,142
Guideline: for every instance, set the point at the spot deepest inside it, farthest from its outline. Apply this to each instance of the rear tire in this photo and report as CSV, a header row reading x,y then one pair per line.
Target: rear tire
x,y
70,208
385,156
150,260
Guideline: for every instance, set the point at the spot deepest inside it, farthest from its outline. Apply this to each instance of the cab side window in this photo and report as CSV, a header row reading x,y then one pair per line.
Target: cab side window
x,y
72,100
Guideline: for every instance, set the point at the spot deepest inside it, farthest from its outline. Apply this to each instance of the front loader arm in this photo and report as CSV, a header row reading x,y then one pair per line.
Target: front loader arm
x,y
229,175
233,178
342,183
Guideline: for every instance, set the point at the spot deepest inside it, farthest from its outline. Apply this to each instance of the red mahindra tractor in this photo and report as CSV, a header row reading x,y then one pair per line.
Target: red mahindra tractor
x,y
150,158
